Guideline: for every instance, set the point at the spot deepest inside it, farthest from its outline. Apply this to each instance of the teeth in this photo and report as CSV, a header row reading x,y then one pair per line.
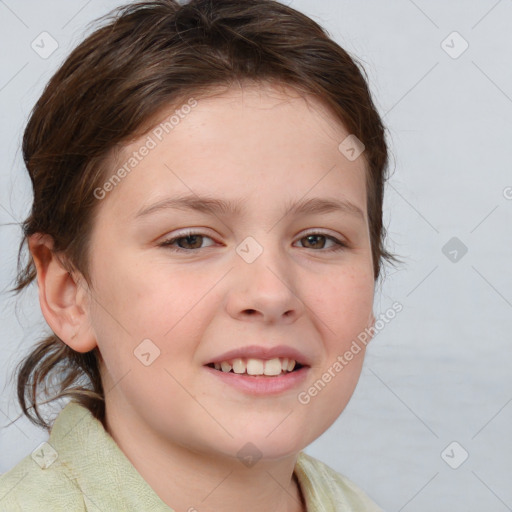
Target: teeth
x,y
274,367
255,367
238,366
251,366
226,367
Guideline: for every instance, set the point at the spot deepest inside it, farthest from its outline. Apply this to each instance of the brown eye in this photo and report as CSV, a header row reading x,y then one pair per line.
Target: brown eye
x,y
187,242
191,242
313,241
318,241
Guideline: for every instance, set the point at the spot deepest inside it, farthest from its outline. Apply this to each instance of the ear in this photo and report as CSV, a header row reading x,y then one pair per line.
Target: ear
x,y
63,299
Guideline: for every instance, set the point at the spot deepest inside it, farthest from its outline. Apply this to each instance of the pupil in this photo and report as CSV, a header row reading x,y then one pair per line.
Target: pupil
x,y
191,237
309,237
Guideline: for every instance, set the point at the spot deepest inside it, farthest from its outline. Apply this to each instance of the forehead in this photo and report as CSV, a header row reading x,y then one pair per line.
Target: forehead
x,y
264,140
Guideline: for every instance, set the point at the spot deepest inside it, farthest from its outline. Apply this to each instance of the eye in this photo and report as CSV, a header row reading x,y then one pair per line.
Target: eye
x,y
190,238
312,240
191,241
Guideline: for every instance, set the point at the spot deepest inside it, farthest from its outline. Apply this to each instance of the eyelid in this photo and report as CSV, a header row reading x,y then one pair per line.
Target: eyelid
x,y
184,234
320,231
198,231
339,241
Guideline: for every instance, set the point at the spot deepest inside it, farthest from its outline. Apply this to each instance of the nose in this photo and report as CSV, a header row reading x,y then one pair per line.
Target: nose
x,y
265,290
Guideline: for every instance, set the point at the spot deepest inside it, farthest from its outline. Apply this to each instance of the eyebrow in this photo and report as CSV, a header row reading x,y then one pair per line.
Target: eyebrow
x,y
217,206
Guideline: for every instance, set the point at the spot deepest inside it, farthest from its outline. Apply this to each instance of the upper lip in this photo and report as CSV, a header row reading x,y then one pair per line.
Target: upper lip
x,y
258,352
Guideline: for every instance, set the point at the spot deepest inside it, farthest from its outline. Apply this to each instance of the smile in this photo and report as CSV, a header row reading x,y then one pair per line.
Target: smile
x,y
253,366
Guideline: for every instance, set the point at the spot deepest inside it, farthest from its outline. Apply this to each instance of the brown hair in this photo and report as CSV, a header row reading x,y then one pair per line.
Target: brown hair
x,y
149,55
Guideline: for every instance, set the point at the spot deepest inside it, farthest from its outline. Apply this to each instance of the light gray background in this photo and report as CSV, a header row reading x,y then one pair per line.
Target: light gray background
x,y
440,371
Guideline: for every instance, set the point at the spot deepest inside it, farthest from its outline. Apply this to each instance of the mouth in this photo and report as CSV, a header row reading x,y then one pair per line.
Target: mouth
x,y
253,367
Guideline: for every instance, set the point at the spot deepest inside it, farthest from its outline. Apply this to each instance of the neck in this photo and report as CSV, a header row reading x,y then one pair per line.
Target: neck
x,y
188,480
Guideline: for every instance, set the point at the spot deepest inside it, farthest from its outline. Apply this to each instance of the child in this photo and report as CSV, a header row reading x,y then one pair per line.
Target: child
x,y
198,373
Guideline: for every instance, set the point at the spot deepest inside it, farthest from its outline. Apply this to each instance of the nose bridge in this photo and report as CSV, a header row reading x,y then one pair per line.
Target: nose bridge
x,y
263,255
265,280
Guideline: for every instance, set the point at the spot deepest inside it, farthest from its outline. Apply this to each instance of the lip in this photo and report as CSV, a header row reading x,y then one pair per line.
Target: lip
x,y
261,385
265,353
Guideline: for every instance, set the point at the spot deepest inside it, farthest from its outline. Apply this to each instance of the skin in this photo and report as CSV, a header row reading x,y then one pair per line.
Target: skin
x,y
179,425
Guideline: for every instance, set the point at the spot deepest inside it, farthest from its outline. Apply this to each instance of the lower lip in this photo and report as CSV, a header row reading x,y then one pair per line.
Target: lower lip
x,y
262,385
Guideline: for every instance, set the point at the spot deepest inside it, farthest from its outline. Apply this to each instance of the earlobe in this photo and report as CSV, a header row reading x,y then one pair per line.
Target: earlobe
x,y
63,305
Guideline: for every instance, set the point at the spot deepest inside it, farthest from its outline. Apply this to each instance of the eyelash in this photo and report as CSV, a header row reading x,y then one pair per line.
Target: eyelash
x,y
167,244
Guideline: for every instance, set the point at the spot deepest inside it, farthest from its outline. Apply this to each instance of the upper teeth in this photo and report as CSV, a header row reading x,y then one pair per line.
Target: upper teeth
x,y
257,366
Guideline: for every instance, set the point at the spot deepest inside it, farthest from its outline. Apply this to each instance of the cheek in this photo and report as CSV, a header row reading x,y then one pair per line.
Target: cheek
x,y
342,312
135,304
142,301
342,303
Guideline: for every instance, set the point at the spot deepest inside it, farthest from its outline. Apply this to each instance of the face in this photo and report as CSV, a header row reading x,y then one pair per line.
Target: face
x,y
253,278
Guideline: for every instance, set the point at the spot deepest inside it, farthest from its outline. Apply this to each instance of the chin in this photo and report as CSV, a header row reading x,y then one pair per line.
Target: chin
x,y
275,445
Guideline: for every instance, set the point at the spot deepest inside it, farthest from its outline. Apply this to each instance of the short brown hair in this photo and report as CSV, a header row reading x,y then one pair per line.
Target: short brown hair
x,y
149,55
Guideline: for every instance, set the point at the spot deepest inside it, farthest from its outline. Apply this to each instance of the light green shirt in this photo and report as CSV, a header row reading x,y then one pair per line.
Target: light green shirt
x,y
81,468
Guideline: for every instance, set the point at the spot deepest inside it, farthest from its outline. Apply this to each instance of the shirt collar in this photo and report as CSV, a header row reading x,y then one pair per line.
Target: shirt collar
x,y
93,461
